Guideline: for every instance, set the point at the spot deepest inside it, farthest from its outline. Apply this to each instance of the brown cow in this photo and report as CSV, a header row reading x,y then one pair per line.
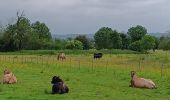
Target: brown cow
x,y
141,82
61,56
9,77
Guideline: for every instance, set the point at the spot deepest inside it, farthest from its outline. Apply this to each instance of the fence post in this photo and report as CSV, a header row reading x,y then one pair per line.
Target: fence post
x,y
162,70
92,64
107,64
79,64
25,59
46,60
22,59
53,60
13,60
139,65
42,60
70,63
37,59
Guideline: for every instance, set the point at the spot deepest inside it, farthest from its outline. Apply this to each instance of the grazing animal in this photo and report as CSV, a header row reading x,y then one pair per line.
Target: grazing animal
x,y
141,82
9,77
98,55
59,86
61,56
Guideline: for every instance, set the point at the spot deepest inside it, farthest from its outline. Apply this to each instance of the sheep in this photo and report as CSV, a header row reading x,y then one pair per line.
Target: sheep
x,y
9,77
61,56
141,82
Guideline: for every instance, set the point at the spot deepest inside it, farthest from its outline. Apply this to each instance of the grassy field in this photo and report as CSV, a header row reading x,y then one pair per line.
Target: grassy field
x,y
88,79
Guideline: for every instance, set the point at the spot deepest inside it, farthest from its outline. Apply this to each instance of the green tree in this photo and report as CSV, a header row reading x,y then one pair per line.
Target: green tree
x,y
15,34
33,42
125,40
60,44
148,42
157,41
164,43
85,41
74,44
8,37
115,40
136,33
23,28
136,46
42,30
102,38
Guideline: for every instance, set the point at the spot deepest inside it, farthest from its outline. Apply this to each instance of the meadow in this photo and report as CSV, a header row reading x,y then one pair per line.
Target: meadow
x,y
88,79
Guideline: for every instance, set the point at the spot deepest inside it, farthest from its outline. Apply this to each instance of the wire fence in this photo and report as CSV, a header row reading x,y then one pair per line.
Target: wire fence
x,y
114,62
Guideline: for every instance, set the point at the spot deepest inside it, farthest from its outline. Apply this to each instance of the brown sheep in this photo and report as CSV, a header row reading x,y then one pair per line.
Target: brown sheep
x,y
61,56
141,82
9,77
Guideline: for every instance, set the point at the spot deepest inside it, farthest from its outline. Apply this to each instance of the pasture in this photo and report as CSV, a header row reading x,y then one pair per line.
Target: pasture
x,y
88,79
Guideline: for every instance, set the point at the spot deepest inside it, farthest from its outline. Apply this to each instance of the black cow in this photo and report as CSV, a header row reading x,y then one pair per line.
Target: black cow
x,y
98,55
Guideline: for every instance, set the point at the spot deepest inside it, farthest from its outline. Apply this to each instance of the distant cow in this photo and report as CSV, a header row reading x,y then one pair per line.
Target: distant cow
x,y
98,55
61,56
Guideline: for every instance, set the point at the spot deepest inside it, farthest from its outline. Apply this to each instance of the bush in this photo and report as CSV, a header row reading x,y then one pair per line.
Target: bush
x,y
165,44
74,44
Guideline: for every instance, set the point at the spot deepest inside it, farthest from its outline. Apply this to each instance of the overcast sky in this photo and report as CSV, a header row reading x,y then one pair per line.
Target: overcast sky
x,y
87,16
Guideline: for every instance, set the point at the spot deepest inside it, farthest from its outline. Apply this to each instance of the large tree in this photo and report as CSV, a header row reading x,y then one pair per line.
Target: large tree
x,y
42,30
102,38
15,34
24,35
85,41
125,40
115,40
136,33
148,42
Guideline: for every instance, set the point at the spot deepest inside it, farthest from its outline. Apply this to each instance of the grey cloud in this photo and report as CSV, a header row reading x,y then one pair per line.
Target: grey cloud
x,y
87,16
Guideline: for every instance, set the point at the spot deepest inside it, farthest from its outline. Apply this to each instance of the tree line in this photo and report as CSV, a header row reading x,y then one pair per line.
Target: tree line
x,y
24,35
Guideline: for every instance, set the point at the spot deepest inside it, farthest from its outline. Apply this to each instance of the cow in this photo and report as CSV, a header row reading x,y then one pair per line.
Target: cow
x,y
98,55
141,82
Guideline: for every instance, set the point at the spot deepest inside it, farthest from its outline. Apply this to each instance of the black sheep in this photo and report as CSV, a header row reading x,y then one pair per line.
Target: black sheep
x,y
58,86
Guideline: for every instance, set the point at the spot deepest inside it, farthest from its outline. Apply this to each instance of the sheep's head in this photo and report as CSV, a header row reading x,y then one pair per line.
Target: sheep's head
x,y
133,73
56,79
7,71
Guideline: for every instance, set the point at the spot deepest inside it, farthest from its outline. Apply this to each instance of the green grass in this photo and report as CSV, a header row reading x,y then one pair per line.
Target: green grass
x,y
101,82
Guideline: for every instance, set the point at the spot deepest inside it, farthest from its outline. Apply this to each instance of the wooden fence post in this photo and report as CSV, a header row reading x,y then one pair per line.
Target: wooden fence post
x,y
79,64
162,70
107,64
139,65
37,59
92,65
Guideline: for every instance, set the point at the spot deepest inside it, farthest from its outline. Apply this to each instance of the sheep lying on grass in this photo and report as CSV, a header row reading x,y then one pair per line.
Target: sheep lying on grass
x,y
9,77
141,82
59,86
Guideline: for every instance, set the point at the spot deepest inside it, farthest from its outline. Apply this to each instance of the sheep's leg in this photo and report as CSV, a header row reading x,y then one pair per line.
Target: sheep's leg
x,y
131,83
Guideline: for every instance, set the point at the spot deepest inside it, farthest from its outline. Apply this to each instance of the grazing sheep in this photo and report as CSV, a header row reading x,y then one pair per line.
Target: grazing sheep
x,y
141,82
58,86
9,77
61,56
97,55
